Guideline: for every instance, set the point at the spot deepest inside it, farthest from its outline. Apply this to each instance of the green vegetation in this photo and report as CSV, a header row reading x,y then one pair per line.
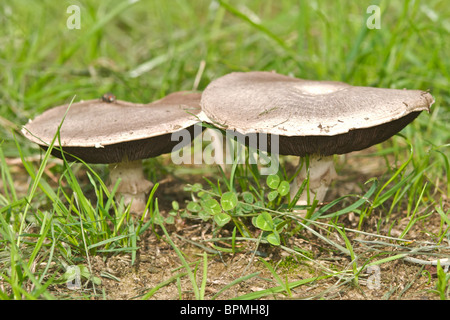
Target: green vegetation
x,y
56,214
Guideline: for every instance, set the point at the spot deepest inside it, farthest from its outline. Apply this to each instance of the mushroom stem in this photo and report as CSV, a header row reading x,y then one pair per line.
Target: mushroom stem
x,y
133,186
320,172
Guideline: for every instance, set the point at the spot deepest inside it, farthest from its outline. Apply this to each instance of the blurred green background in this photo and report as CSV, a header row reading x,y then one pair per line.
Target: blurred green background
x,y
143,50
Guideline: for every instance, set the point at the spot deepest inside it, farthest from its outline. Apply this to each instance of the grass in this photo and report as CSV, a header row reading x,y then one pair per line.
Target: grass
x,y
56,214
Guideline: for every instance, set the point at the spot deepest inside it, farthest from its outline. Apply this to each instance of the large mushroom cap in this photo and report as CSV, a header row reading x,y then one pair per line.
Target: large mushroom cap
x,y
99,131
310,117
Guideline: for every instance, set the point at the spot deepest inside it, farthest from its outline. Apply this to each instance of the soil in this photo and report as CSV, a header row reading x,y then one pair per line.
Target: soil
x,y
157,262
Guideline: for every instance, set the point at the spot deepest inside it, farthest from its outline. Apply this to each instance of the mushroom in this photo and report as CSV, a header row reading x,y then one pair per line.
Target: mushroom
x,y
120,134
310,118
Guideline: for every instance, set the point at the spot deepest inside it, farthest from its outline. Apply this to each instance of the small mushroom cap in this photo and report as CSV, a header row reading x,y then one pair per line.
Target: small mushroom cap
x,y
312,117
97,131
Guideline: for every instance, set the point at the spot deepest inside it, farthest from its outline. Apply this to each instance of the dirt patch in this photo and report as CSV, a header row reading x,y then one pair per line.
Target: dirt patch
x,y
157,265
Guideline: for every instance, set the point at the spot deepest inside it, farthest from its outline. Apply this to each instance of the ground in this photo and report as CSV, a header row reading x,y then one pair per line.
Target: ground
x,y
157,262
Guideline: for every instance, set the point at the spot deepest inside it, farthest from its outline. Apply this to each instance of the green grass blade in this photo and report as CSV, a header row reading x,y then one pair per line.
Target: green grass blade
x,y
234,282
263,293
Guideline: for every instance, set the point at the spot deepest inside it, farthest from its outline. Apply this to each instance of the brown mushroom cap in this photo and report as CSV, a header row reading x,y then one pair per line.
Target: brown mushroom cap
x,y
100,132
310,117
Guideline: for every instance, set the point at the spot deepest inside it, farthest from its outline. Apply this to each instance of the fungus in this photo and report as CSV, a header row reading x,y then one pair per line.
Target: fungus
x,y
118,133
310,118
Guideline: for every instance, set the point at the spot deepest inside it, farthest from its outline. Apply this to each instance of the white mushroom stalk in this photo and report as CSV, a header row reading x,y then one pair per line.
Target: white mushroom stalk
x,y
133,187
320,173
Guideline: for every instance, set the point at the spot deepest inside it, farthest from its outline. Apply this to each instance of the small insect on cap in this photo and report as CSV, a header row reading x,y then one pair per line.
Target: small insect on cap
x,y
108,97
310,117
